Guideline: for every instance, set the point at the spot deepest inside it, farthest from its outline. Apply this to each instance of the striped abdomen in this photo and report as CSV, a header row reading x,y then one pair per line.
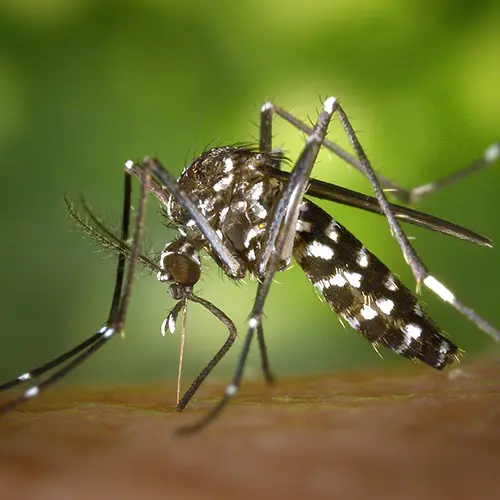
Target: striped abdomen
x,y
359,287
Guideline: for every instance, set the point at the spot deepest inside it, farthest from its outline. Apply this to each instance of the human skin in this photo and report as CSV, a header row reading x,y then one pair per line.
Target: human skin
x,y
411,433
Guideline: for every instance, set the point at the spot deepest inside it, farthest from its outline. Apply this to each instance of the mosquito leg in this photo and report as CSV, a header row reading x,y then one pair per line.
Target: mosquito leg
x,y
265,146
102,337
362,163
266,134
181,351
275,237
264,359
266,128
344,196
89,346
120,310
420,272
296,185
490,156
220,354
40,370
231,391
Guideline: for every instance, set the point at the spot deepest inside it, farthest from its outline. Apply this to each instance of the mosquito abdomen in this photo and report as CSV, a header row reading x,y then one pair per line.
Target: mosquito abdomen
x,y
359,287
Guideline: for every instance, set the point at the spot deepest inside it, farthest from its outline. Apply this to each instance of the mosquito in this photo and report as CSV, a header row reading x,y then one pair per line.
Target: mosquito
x,y
237,204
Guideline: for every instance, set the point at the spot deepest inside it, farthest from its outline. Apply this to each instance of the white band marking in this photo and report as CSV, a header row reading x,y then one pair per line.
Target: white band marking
x,y
385,305
492,153
439,289
32,392
231,390
328,104
319,250
368,312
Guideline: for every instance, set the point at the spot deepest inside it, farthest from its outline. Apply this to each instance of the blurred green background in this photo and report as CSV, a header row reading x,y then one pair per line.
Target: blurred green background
x,y
87,84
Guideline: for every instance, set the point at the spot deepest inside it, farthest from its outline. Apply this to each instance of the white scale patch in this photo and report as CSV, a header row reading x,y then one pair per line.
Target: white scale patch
x,y
241,205
224,183
412,331
228,165
32,392
252,233
353,278
257,190
492,153
385,305
336,280
331,231
171,324
329,104
231,390
390,284
109,332
362,259
267,105
223,214
251,254
164,254
169,206
444,347
304,226
168,323
206,205
259,211
439,289
319,250
368,312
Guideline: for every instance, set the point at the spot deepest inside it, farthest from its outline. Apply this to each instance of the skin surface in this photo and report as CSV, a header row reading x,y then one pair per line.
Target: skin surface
x,y
396,434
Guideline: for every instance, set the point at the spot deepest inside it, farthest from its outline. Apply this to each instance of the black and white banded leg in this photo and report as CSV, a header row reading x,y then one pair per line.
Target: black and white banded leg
x,y
491,155
361,162
113,326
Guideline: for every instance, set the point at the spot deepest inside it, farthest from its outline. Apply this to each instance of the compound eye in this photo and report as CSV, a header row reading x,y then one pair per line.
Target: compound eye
x,y
180,263
181,269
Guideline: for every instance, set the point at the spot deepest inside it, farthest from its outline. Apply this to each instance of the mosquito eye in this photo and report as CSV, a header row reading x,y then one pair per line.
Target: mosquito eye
x,y
180,269
180,263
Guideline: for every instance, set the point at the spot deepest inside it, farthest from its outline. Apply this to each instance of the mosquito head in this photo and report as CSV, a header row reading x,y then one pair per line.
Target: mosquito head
x,y
180,266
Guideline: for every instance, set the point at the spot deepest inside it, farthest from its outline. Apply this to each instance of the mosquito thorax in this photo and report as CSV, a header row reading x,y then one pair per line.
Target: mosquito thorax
x,y
233,191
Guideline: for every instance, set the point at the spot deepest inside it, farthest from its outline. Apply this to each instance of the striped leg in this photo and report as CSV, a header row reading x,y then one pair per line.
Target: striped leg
x,y
68,361
362,163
